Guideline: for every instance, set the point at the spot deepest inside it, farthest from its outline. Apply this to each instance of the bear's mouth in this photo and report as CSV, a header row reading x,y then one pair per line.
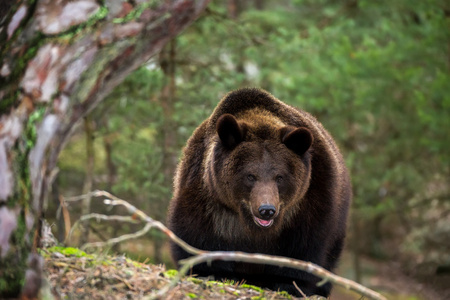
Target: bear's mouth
x,y
258,221
262,223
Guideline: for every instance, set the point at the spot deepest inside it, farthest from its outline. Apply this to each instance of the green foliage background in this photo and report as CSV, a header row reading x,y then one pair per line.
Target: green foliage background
x,y
375,73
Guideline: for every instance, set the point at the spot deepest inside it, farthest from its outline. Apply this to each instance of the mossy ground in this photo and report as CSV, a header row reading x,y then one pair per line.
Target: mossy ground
x,y
74,274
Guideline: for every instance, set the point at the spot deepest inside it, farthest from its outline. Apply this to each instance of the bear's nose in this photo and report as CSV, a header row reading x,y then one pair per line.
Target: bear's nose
x,y
267,211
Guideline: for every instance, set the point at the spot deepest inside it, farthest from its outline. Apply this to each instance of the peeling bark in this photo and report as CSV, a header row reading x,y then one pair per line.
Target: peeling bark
x,y
58,60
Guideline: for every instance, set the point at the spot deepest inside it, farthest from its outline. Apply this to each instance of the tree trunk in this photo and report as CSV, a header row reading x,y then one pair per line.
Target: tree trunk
x,y
87,187
58,60
110,178
110,166
168,64
168,139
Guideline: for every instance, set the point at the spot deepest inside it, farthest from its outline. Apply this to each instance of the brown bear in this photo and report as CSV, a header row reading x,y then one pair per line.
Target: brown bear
x,y
260,176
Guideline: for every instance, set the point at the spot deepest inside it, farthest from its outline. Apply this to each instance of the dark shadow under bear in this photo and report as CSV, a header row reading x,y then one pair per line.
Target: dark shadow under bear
x,y
260,176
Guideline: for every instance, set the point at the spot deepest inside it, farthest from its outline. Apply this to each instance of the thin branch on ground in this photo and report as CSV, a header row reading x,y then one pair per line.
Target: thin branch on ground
x,y
299,289
201,256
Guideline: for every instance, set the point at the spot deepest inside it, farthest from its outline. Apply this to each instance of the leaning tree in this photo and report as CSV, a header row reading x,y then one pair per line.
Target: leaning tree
x,y
58,60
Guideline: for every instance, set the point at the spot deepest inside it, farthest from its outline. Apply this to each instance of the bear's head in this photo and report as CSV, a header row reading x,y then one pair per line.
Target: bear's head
x,y
261,171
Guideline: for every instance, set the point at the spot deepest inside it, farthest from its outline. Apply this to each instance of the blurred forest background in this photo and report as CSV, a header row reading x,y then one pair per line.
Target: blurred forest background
x,y
375,73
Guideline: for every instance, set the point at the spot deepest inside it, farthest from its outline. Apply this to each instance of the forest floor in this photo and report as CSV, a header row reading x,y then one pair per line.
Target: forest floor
x,y
73,274
389,279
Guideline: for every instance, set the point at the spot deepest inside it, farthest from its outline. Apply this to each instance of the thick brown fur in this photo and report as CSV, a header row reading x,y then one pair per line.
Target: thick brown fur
x,y
260,176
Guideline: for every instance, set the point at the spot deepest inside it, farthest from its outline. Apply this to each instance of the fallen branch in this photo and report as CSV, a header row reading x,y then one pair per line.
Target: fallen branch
x,y
98,217
311,268
119,239
201,256
136,214
300,290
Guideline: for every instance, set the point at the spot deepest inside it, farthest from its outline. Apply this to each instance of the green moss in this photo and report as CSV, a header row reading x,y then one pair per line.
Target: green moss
x,y
22,195
31,52
135,263
92,260
18,66
100,15
7,102
284,294
195,280
6,42
191,295
253,287
70,251
136,13
14,264
213,282
69,36
35,117
107,262
170,273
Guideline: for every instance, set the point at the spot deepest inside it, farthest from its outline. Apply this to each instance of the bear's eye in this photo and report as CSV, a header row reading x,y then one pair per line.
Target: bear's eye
x,y
251,178
279,179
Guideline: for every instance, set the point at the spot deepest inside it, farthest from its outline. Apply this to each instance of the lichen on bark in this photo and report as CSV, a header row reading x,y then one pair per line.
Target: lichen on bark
x,y
17,243
13,264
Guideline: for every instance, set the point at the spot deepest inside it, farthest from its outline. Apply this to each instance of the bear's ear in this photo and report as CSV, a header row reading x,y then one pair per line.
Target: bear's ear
x,y
229,131
297,139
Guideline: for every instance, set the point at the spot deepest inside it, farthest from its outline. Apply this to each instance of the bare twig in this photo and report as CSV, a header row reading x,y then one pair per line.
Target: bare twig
x,y
119,239
201,256
99,217
78,198
299,289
